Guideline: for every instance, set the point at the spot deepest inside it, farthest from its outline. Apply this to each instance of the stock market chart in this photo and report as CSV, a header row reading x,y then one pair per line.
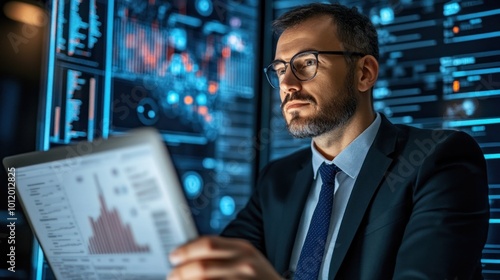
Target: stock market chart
x,y
186,68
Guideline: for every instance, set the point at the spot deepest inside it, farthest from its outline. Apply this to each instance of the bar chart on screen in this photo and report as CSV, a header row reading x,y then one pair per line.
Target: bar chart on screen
x,y
109,234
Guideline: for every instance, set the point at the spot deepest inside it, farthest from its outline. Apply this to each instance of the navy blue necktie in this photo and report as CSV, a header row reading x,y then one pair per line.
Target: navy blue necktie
x,y
313,249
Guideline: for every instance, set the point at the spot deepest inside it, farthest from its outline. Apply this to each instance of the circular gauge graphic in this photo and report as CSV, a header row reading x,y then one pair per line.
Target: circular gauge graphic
x,y
192,183
148,111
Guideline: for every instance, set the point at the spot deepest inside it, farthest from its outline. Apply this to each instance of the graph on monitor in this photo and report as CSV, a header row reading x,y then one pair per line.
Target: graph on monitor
x,y
109,234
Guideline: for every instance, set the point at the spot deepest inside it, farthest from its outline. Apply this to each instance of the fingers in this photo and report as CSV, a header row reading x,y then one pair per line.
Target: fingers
x,y
210,247
213,269
219,258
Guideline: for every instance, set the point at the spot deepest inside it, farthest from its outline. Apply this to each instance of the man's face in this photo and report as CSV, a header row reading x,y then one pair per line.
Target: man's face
x,y
328,101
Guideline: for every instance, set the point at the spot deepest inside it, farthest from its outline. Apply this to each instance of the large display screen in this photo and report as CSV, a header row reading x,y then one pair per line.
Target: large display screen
x,y
439,68
186,68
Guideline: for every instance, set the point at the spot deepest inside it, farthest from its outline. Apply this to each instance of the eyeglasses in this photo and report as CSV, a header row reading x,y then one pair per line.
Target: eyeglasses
x,y
304,66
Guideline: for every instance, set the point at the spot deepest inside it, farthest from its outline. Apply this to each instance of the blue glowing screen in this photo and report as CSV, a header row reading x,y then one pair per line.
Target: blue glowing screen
x,y
186,68
439,68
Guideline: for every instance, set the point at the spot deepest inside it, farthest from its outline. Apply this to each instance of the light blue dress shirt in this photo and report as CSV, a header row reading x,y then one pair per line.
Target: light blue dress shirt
x,y
349,161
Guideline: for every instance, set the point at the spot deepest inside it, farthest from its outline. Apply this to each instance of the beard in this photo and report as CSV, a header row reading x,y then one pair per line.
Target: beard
x,y
334,114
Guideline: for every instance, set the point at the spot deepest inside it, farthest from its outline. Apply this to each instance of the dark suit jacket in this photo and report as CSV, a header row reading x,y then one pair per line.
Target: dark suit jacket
x,y
418,209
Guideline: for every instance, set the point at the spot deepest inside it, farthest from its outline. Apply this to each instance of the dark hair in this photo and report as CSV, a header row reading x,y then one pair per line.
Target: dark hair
x,y
354,29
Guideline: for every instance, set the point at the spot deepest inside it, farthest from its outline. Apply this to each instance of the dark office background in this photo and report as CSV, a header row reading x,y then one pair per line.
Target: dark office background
x,y
192,69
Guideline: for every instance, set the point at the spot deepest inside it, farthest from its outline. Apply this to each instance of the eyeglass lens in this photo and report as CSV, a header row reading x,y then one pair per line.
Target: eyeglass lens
x,y
304,66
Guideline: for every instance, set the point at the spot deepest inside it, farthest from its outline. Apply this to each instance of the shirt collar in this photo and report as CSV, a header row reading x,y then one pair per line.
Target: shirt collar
x,y
352,157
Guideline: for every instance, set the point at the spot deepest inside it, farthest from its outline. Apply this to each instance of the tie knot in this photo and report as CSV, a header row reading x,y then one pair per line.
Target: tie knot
x,y
328,172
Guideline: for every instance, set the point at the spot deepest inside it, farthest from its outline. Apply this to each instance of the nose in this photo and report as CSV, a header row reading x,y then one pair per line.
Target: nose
x,y
289,84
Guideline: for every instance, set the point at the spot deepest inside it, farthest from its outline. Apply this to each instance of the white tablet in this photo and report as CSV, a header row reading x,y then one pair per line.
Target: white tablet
x,y
110,209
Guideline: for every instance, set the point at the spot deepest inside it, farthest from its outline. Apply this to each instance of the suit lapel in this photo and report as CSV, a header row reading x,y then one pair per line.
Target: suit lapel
x,y
291,214
371,174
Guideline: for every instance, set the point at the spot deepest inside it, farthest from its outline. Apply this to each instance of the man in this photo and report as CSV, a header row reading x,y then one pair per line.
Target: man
x,y
407,203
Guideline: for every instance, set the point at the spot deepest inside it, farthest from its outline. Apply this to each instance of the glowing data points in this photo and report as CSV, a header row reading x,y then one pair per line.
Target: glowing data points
x,y
235,42
451,8
213,87
178,38
201,99
176,67
469,107
386,15
456,86
204,7
188,99
209,163
192,183
227,205
235,22
172,97
203,110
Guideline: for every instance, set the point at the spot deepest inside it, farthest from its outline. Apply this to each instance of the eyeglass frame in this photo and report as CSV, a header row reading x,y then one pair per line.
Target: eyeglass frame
x,y
316,54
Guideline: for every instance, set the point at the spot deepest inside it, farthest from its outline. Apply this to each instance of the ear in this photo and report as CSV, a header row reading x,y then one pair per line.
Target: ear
x,y
369,73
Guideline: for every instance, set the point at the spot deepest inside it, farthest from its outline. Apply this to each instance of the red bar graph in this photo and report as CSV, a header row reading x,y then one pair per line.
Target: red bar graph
x,y
110,234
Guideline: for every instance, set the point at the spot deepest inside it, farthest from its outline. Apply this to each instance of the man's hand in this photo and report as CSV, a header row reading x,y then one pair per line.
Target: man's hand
x,y
216,257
